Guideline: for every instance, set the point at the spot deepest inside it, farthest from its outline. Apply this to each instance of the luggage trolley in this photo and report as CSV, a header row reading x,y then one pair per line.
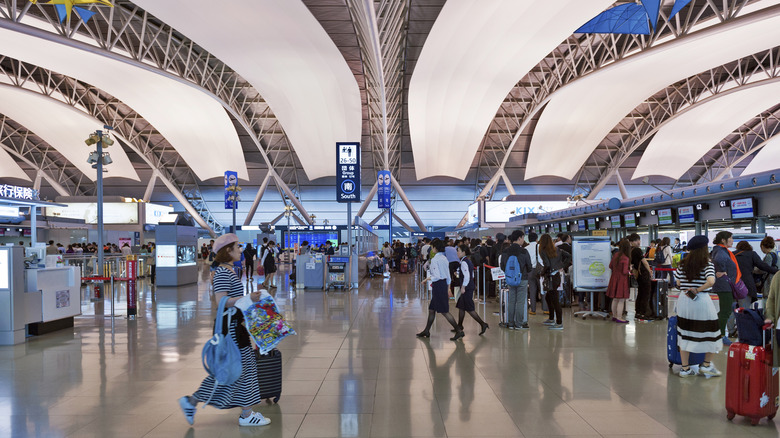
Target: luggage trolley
x,y
337,272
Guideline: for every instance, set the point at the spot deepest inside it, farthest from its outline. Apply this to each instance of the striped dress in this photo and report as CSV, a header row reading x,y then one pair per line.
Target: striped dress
x,y
697,319
246,390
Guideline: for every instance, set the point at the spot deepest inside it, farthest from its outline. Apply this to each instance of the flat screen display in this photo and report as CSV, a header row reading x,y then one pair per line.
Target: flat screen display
x,y
473,213
630,220
665,216
185,255
557,228
743,208
592,224
686,215
314,238
616,221
581,225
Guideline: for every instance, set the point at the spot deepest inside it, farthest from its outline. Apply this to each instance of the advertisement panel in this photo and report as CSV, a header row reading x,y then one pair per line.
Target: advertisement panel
x,y
115,213
166,256
158,213
502,211
473,214
231,179
384,189
591,262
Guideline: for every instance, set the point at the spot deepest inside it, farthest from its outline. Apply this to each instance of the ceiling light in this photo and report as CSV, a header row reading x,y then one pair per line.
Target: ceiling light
x,y
93,138
107,159
93,157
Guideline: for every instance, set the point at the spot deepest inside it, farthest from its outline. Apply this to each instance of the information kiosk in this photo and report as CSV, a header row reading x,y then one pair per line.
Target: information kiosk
x,y
591,257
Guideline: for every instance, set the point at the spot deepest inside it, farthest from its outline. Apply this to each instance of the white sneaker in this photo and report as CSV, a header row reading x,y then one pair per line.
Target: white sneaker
x,y
556,327
687,373
254,419
548,322
710,370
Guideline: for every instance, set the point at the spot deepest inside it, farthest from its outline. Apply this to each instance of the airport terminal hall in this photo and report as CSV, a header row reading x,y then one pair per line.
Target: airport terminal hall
x,y
389,218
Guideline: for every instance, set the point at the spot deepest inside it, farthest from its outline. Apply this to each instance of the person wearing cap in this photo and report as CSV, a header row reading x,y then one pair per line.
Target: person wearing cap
x,y
698,330
245,392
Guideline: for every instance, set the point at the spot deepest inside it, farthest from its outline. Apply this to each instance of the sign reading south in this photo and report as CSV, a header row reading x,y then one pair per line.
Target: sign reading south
x,y
348,172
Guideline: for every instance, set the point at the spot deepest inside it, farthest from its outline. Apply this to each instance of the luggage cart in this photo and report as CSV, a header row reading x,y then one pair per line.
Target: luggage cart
x,y
337,272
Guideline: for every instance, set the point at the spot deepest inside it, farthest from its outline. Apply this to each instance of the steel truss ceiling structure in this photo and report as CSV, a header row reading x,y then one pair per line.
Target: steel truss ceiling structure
x,y
127,30
142,138
576,57
383,65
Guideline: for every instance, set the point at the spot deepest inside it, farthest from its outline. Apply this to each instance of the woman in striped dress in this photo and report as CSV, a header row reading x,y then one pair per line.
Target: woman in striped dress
x,y
697,318
245,392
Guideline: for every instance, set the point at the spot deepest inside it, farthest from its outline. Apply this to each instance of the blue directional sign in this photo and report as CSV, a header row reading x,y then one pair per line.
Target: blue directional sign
x,y
383,188
231,179
348,172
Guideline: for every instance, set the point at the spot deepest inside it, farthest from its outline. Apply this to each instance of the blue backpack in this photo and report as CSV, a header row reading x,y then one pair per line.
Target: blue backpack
x,y
512,272
221,357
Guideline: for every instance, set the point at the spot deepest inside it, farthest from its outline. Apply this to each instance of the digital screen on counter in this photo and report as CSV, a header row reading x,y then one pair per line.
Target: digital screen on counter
x,y
630,220
665,216
743,208
686,215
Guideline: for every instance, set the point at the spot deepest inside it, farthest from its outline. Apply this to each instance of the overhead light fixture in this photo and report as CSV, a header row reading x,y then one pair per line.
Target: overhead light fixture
x,y
107,159
92,139
93,157
107,141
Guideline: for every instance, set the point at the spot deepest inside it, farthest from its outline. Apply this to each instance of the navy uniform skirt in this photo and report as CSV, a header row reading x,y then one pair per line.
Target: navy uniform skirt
x,y
440,298
466,299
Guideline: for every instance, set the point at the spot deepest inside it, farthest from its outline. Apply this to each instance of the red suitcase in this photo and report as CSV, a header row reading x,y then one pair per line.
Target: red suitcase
x,y
751,383
404,268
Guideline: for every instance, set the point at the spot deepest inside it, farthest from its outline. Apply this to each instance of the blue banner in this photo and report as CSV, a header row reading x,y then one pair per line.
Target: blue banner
x,y
231,179
348,172
384,188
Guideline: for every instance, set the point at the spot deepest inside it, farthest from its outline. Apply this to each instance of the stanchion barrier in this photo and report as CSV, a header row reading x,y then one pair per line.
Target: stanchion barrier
x,y
97,281
132,298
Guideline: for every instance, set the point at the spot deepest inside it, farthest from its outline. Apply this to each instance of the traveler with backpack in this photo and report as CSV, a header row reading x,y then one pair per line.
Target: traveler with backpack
x,y
269,264
516,264
556,261
663,258
440,300
747,260
245,391
466,299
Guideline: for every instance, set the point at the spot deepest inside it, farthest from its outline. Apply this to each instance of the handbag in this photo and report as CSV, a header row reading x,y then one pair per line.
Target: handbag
x,y
260,271
738,289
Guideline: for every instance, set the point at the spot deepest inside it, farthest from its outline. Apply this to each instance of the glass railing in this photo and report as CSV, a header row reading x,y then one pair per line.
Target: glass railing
x,y
113,265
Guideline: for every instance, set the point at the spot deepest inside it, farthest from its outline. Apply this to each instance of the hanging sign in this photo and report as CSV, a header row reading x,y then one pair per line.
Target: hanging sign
x,y
348,172
231,179
383,188
16,192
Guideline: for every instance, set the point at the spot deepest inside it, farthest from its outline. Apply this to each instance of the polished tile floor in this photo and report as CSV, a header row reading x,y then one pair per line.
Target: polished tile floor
x,y
355,369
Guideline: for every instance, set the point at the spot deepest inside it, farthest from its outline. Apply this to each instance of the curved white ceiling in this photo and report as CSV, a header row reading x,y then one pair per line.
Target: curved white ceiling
x,y
681,142
768,158
475,53
64,128
9,168
581,114
194,123
283,51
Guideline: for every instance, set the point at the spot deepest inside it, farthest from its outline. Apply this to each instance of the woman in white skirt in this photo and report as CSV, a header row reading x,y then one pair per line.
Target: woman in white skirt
x,y
697,317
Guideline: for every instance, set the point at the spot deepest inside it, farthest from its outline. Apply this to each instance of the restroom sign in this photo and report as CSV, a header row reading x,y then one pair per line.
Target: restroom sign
x,y
348,172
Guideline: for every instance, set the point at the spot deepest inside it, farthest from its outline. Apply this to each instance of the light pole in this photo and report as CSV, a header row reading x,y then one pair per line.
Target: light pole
x,y
98,159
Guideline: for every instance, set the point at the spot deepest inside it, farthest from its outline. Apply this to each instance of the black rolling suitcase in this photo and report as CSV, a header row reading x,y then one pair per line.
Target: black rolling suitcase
x,y
659,292
269,374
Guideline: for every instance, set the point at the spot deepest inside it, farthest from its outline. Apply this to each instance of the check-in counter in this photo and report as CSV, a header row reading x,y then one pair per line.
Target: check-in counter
x,y
52,298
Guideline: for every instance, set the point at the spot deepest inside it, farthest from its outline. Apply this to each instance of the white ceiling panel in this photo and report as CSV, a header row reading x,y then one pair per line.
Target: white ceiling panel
x,y
63,127
581,114
283,51
195,124
476,52
9,168
681,142
768,158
